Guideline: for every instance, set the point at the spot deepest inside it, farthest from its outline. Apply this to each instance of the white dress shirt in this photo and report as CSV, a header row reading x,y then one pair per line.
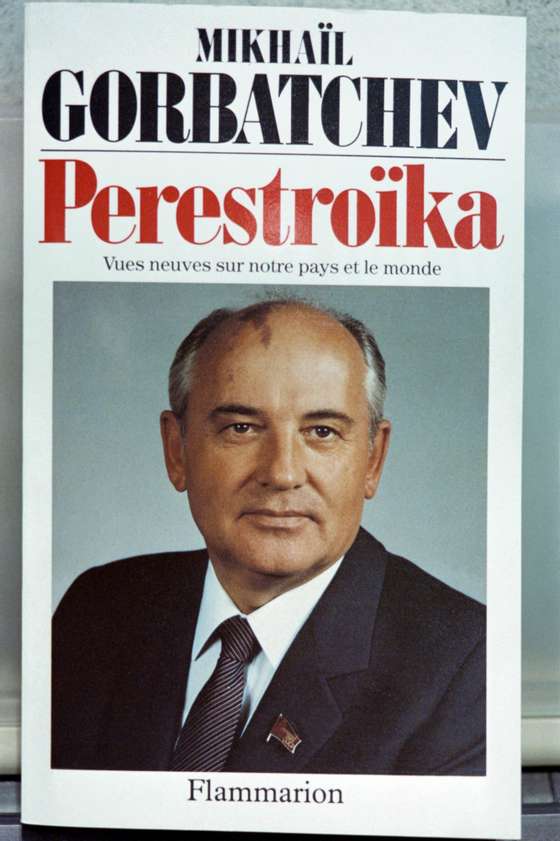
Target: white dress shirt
x,y
275,626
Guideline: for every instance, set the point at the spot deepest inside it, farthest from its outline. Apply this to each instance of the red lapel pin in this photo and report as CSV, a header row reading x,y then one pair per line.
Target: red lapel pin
x,y
284,733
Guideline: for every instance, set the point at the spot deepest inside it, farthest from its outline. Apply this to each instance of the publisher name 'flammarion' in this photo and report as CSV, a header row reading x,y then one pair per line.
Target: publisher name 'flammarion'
x,y
204,790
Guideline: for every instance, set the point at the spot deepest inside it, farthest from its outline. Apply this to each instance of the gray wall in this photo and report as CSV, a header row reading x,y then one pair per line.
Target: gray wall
x,y
541,427
113,347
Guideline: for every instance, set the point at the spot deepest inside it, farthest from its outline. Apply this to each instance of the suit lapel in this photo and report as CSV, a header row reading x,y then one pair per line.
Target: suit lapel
x,y
297,690
334,642
145,711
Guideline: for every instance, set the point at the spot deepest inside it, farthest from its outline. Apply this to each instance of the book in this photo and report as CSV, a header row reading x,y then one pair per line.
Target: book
x,y
301,211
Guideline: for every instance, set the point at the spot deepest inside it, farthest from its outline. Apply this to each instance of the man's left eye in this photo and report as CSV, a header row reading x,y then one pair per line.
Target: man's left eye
x,y
324,431
240,428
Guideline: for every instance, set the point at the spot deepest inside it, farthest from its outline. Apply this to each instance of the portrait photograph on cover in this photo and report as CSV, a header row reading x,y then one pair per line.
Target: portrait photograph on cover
x,y
329,446
273,320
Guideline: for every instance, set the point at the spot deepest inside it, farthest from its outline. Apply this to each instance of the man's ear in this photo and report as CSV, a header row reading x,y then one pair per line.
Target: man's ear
x,y
173,444
377,455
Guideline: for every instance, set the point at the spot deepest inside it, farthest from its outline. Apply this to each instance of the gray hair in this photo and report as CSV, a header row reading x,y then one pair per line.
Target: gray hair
x,y
180,373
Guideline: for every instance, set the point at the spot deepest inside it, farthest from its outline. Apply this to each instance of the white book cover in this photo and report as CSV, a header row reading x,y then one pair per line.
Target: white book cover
x,y
312,221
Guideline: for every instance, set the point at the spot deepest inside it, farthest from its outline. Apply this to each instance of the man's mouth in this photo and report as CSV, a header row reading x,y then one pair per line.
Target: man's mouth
x,y
278,519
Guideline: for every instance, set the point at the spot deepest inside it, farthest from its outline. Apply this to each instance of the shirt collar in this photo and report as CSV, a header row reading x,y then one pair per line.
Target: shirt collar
x,y
275,624
215,607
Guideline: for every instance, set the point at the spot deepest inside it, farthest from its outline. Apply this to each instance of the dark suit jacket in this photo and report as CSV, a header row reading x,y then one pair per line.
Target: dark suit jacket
x,y
386,676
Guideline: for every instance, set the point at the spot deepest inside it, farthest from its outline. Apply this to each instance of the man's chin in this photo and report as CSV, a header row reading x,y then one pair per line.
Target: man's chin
x,y
283,554
254,571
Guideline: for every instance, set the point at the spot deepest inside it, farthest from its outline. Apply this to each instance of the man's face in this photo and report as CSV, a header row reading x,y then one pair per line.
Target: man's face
x,y
276,456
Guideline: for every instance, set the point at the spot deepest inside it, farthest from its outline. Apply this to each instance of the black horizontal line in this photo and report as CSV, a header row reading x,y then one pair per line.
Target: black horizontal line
x,y
268,154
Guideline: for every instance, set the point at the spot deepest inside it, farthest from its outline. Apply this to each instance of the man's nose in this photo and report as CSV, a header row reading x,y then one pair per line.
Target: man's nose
x,y
281,461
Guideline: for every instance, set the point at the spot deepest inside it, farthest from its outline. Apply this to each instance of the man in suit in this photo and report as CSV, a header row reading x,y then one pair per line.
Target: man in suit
x,y
296,642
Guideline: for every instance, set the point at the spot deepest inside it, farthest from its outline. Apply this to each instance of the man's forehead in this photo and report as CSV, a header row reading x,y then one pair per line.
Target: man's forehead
x,y
282,325
284,360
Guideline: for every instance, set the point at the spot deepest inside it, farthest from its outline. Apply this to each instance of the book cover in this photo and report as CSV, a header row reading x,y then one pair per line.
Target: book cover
x,y
273,360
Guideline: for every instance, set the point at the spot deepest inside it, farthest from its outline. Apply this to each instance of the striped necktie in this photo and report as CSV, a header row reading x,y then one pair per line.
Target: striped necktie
x,y
208,733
